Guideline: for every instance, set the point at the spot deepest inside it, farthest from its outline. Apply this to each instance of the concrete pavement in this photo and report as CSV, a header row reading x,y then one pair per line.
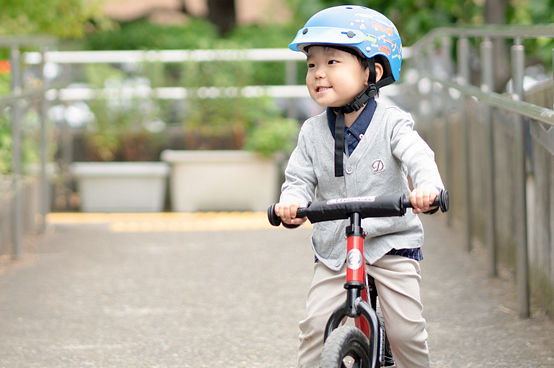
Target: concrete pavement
x,y
152,291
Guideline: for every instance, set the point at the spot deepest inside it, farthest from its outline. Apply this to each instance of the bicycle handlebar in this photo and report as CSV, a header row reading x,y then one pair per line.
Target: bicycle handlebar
x,y
370,206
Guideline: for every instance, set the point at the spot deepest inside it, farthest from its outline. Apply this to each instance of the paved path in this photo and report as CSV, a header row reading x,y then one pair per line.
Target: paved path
x,y
148,291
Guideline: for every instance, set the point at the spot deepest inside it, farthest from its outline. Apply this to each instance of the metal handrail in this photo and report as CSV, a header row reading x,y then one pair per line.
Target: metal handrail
x,y
16,41
501,101
12,97
513,103
167,56
492,31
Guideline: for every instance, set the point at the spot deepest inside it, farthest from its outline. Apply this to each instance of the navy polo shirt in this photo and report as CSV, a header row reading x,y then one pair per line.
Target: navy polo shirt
x,y
352,136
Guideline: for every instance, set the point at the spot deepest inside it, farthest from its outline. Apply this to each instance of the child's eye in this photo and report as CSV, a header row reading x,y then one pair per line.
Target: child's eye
x,y
311,65
331,62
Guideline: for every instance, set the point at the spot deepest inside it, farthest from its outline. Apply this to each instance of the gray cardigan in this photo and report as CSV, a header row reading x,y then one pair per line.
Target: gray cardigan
x,y
387,153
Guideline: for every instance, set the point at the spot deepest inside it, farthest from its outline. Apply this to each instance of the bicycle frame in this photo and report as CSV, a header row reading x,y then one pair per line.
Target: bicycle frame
x,y
357,304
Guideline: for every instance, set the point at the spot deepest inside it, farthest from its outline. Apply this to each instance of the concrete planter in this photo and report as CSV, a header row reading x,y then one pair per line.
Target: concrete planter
x,y
221,180
121,186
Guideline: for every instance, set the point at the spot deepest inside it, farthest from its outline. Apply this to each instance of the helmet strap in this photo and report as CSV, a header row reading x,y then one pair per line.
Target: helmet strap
x,y
359,101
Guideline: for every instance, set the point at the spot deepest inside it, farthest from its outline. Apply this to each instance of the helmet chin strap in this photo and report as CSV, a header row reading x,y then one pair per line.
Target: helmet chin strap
x,y
359,101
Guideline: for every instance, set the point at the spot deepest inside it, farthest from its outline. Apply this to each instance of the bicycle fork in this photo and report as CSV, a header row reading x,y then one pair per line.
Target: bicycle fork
x,y
356,304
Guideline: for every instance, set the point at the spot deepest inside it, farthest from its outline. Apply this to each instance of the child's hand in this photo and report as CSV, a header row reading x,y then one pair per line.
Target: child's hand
x,y
422,198
287,212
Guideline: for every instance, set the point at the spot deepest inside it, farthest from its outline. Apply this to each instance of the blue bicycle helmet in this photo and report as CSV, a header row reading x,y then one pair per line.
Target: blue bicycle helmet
x,y
367,31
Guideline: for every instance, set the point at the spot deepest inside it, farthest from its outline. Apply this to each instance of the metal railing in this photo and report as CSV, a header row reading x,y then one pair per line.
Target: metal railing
x,y
290,58
56,92
450,75
15,100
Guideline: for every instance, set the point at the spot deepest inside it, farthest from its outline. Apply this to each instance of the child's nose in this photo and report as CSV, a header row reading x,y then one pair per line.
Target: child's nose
x,y
320,72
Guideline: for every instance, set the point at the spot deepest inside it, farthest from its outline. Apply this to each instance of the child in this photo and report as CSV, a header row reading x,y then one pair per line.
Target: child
x,y
360,147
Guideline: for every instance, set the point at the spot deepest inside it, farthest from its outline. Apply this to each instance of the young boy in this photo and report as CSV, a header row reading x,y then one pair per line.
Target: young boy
x,y
360,147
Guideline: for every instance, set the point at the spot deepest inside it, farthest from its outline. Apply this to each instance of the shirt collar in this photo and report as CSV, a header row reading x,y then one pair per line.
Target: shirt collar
x,y
360,125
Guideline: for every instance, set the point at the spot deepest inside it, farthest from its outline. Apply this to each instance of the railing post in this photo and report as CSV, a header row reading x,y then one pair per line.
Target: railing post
x,y
488,86
16,150
44,195
446,61
430,62
291,73
520,202
463,77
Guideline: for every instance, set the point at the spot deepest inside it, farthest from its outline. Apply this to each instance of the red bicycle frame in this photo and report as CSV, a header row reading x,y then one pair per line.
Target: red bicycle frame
x,y
355,272
356,305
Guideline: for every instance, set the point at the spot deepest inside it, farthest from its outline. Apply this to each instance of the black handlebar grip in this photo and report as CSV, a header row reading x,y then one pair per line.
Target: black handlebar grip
x,y
276,220
442,201
272,217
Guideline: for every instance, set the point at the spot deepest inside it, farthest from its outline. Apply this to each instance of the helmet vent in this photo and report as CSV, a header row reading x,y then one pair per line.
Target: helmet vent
x,y
305,31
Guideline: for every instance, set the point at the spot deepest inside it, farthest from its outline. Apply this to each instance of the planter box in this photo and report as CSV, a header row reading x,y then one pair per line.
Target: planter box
x,y
221,180
121,186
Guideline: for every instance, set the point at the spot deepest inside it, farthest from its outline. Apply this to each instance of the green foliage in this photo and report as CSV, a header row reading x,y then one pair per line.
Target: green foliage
x,y
196,34
217,116
257,36
30,140
272,136
61,18
231,114
120,130
413,18
6,144
97,74
5,83
143,35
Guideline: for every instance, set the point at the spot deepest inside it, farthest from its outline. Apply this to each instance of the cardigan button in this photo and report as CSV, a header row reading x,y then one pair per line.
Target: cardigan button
x,y
349,169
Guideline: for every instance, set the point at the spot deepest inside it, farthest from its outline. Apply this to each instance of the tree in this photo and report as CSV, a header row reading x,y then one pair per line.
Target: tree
x,y
222,15
61,18
496,13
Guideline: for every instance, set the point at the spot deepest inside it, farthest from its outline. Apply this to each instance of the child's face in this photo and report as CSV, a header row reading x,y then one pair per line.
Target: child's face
x,y
334,76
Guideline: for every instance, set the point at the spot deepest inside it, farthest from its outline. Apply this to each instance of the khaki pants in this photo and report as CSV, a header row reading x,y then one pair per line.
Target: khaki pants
x,y
397,280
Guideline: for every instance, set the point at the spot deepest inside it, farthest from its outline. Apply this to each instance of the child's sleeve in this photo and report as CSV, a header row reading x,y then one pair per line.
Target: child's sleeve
x,y
300,179
415,154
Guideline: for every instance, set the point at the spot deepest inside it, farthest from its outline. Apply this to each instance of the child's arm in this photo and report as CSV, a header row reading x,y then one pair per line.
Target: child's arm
x,y
419,159
422,198
300,182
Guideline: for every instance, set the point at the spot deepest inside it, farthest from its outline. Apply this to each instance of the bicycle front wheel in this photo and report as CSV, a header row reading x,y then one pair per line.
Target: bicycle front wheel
x,y
346,347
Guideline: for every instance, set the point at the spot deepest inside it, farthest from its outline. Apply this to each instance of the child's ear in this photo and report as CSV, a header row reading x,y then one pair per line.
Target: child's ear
x,y
378,71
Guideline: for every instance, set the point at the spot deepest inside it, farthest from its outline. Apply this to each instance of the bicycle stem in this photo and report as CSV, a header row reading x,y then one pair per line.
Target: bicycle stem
x,y
355,250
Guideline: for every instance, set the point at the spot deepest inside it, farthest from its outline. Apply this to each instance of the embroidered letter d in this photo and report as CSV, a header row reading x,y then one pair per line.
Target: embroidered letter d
x,y
378,166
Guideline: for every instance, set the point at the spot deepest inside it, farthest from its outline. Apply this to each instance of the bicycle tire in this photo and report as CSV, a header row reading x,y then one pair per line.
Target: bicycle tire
x,y
344,344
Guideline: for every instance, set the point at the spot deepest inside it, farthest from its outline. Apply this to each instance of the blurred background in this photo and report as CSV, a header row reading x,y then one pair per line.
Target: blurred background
x,y
195,105
131,107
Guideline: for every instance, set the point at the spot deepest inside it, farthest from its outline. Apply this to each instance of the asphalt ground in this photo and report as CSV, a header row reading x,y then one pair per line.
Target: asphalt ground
x,y
227,290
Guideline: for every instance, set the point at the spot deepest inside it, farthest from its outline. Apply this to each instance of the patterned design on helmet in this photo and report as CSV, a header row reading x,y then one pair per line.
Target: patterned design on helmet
x,y
364,29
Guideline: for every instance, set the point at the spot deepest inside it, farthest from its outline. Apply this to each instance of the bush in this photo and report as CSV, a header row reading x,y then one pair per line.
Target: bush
x,y
272,136
197,34
143,35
